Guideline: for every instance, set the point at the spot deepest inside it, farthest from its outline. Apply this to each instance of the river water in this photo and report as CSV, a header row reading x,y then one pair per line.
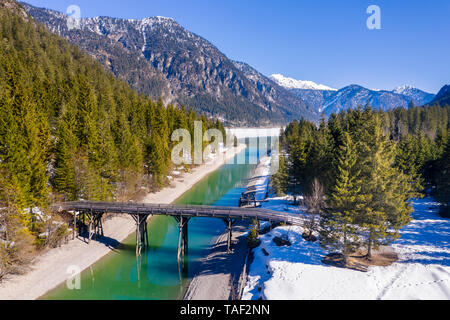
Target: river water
x,y
157,274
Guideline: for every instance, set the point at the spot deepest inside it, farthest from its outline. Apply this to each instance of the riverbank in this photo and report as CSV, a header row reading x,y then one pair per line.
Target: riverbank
x,y
51,268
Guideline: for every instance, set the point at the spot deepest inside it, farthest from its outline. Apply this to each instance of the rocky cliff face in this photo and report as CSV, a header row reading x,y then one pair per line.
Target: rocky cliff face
x,y
160,58
277,96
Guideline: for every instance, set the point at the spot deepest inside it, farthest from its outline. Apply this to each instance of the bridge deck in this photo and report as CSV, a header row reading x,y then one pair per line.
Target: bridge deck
x,y
177,211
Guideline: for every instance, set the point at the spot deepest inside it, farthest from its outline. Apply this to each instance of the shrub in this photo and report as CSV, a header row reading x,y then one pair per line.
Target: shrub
x,y
252,240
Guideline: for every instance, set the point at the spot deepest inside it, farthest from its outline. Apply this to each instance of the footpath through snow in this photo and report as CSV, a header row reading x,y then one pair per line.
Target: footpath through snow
x,y
296,272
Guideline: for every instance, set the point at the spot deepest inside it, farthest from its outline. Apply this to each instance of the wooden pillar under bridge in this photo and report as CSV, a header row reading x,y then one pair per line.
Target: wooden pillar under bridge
x,y
182,236
98,225
95,226
141,232
74,228
89,216
229,223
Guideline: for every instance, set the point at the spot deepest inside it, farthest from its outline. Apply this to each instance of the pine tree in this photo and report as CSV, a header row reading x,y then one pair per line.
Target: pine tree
x,y
13,222
64,180
338,228
443,182
155,161
410,161
385,189
280,180
319,158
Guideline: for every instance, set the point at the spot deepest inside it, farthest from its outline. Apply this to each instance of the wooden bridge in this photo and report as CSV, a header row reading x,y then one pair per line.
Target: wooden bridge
x,y
93,212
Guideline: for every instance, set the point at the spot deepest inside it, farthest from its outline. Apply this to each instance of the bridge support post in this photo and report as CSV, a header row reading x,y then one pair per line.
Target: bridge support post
x,y
98,225
95,226
230,235
74,228
182,236
229,223
141,232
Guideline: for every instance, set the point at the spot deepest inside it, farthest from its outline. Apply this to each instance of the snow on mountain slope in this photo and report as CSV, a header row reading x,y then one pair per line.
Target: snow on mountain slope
x,y
291,83
327,100
160,58
403,89
418,96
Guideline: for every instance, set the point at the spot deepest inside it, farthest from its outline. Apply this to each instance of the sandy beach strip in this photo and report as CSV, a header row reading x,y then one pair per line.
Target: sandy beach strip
x,y
50,268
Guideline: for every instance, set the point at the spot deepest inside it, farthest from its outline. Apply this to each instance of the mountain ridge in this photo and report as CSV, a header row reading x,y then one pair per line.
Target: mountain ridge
x,y
443,96
334,101
158,57
292,83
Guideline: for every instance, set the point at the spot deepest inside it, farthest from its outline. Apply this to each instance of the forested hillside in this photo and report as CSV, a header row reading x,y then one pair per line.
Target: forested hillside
x,y
443,96
70,130
369,164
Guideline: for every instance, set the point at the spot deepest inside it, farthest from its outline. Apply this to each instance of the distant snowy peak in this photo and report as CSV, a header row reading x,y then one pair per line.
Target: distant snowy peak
x,y
291,83
417,96
404,89
155,19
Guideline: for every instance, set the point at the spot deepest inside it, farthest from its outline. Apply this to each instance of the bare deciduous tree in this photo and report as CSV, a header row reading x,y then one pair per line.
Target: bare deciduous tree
x,y
314,200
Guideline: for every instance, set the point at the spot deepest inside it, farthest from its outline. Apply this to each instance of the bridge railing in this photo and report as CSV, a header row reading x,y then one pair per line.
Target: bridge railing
x,y
184,210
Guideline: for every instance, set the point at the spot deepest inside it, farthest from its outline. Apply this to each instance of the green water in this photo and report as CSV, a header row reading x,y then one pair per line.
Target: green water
x,y
157,274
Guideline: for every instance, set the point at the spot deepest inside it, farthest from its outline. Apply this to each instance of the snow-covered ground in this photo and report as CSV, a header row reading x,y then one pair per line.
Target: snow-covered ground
x,y
261,178
296,272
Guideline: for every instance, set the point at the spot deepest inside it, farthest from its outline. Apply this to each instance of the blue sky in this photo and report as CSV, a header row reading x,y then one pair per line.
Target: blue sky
x,y
325,41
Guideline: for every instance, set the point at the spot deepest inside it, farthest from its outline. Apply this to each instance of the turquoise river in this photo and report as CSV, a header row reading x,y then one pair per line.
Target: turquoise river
x,y
157,274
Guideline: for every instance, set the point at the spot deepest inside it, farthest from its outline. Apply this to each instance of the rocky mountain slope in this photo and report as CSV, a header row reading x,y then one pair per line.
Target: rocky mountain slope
x,y
354,95
160,58
275,93
443,96
417,96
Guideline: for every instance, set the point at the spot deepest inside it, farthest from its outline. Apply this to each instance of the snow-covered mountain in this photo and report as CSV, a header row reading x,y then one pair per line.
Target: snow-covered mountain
x,y
160,58
273,91
419,97
328,100
291,83
354,95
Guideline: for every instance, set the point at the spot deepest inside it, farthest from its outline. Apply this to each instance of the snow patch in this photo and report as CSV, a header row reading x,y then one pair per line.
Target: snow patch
x,y
296,272
241,133
291,83
404,89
